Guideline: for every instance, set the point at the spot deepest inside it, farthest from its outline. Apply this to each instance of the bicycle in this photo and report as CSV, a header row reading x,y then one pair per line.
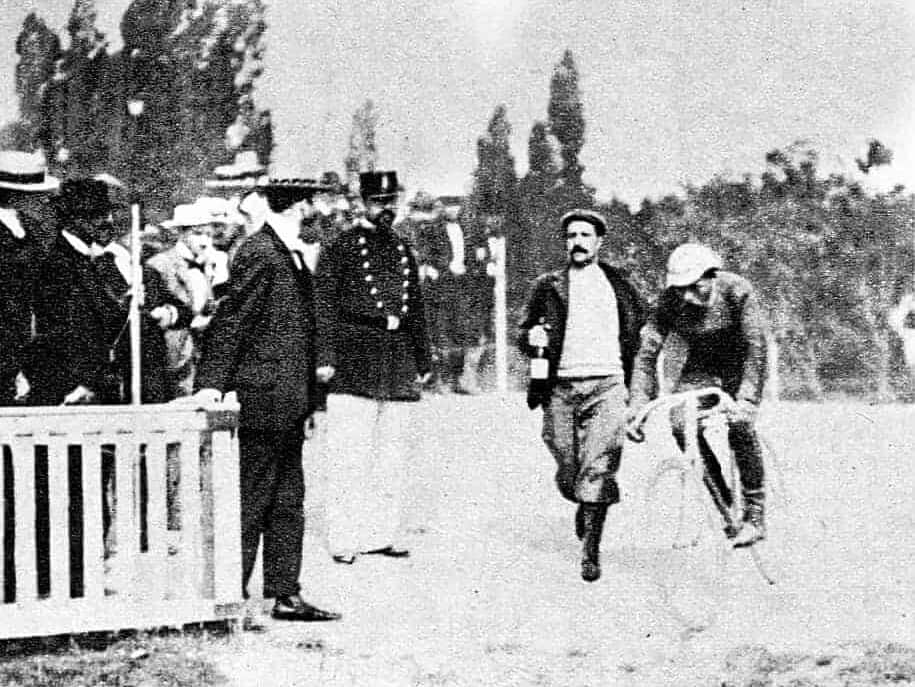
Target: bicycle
x,y
713,478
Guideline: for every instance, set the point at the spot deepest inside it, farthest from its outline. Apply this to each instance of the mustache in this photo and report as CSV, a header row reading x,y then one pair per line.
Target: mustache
x,y
578,249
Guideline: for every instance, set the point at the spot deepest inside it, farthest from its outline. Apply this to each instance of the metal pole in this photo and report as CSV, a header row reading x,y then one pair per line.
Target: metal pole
x,y
500,313
136,300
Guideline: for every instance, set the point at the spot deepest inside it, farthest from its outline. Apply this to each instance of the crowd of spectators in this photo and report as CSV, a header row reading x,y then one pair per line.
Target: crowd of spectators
x,y
65,281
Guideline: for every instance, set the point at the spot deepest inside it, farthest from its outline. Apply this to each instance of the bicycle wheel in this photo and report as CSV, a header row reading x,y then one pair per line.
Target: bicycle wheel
x,y
688,551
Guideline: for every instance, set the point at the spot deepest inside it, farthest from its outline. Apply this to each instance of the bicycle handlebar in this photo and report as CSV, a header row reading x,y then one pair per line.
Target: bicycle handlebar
x,y
723,404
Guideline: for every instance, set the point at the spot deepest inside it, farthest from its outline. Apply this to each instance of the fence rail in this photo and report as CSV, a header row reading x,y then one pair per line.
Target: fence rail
x,y
117,517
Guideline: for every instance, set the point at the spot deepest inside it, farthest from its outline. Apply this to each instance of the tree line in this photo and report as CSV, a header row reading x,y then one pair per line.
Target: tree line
x,y
161,112
829,258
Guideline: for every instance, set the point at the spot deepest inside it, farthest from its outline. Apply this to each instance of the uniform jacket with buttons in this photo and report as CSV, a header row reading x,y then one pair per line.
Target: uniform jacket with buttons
x,y
549,306
366,277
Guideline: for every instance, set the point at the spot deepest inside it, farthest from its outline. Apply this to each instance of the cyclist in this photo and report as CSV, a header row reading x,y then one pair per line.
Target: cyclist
x,y
718,317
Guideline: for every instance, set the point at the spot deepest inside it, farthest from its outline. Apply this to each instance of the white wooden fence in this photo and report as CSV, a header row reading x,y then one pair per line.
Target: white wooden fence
x,y
117,517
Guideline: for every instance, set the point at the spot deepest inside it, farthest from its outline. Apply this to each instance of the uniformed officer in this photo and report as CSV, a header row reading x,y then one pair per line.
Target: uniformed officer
x,y
373,351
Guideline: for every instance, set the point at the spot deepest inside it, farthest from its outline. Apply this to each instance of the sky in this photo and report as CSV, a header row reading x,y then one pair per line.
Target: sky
x,y
674,91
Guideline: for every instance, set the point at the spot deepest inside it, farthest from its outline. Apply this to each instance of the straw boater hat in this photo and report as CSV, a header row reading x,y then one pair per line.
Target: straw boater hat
x,y
202,211
244,173
26,172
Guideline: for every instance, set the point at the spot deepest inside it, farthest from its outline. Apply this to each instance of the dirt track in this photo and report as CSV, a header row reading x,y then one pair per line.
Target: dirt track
x,y
491,595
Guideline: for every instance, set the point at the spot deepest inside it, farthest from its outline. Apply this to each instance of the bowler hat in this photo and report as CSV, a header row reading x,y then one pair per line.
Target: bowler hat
x,y
590,216
84,198
378,185
286,192
26,172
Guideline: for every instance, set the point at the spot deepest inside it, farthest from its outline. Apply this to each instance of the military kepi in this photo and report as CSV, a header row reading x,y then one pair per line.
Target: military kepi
x,y
378,185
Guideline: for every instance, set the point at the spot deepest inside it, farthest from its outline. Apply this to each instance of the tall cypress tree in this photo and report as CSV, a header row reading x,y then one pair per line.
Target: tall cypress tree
x,y
83,105
566,118
362,152
39,49
495,179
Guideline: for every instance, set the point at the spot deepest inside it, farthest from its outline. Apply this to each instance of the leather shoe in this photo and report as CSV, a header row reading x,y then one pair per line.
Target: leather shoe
x,y
590,570
392,552
294,608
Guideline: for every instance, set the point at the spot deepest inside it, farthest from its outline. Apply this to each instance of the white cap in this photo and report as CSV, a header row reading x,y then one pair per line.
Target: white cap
x,y
688,262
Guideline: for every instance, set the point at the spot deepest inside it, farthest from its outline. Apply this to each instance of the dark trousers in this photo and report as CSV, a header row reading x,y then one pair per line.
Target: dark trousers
x,y
745,446
272,497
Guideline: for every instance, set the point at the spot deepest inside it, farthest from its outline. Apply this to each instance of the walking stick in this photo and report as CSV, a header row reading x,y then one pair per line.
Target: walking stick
x,y
136,298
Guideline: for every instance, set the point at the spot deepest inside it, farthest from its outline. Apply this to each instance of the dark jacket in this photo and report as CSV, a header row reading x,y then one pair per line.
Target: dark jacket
x,y
153,361
19,260
548,306
260,341
725,342
72,313
364,276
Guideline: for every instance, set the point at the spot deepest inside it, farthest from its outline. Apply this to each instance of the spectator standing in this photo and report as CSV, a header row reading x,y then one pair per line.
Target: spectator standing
x,y
188,274
160,310
373,351
24,185
261,345
69,362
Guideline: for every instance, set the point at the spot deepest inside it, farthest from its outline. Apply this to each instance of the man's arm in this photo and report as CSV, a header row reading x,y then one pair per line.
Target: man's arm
x,y
756,363
534,316
644,384
327,301
236,316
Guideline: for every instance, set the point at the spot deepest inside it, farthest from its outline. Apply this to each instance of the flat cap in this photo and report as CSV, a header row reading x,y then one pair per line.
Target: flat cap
x,y
590,216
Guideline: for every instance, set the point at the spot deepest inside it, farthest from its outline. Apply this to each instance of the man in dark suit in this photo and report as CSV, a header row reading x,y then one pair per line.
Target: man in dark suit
x,y
373,350
260,344
160,310
24,185
69,362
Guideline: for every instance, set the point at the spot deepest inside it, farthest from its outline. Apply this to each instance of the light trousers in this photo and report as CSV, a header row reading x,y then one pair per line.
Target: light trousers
x,y
366,451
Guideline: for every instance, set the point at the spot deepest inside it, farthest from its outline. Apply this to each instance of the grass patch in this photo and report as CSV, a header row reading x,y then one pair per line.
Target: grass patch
x,y
157,659
852,664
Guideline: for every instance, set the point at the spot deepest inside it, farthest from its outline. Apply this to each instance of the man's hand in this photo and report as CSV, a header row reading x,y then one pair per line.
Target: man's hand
x,y
325,373
79,396
22,387
745,412
423,378
633,433
166,315
206,398
538,337
200,322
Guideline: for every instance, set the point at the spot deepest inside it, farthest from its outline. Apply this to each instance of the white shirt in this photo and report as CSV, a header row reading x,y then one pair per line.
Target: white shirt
x,y
10,218
592,341
456,238
78,244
